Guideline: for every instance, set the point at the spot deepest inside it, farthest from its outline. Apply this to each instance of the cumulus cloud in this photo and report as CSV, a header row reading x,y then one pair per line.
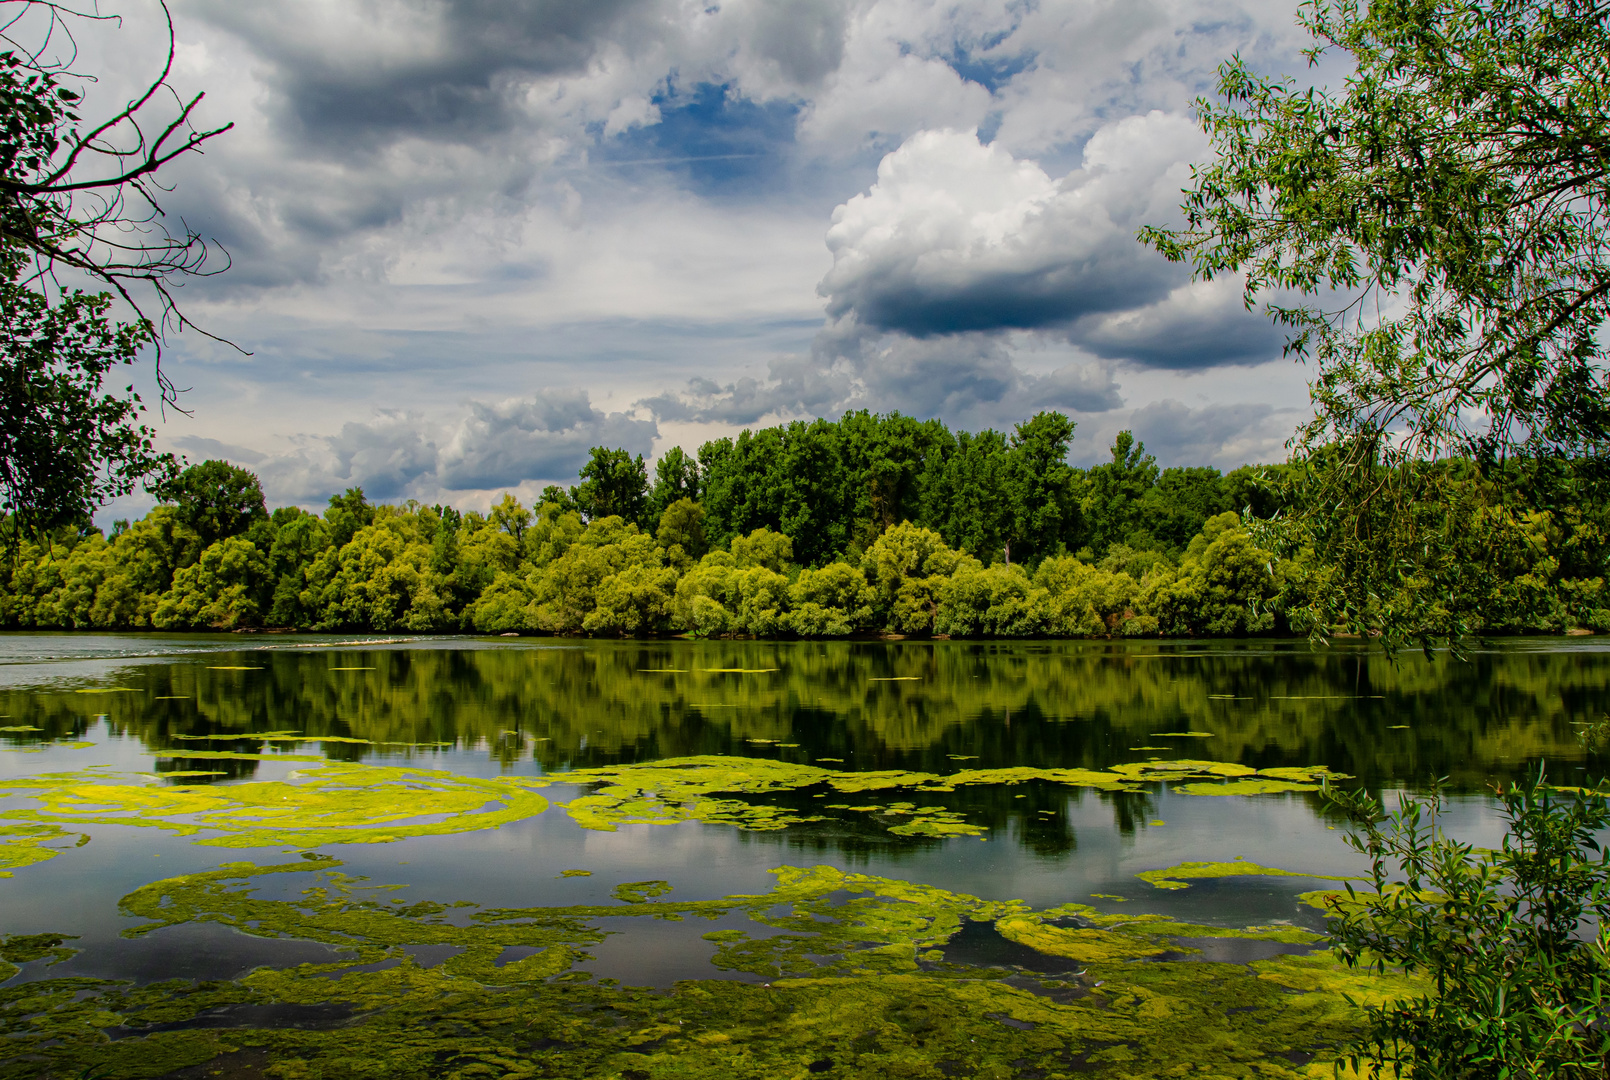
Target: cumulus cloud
x,y
505,180
1197,325
957,236
521,442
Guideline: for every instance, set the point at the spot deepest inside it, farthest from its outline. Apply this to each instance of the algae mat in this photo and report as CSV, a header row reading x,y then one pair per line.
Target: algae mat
x,y
345,803
858,984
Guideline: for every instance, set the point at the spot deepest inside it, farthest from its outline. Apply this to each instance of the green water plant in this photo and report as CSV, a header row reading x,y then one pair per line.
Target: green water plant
x,y
1514,942
860,985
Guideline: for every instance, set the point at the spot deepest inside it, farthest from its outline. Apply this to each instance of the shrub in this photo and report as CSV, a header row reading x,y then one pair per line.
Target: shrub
x,y
1516,941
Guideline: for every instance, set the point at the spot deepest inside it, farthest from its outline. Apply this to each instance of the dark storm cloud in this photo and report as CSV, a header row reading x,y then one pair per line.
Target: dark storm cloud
x,y
448,70
1198,326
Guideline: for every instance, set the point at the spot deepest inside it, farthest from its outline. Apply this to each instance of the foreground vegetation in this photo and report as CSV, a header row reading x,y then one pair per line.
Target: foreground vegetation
x,y
867,524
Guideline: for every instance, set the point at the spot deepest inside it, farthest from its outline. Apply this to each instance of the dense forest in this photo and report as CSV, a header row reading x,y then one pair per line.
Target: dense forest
x,y
866,524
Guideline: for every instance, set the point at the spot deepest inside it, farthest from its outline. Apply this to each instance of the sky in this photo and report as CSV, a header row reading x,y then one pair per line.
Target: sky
x,y
470,239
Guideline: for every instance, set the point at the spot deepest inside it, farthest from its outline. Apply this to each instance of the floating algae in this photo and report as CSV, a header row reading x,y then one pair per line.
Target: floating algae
x,y
26,948
1176,877
234,755
859,988
1255,786
24,845
333,804
340,803
20,727
1096,937
231,667
112,690
1182,735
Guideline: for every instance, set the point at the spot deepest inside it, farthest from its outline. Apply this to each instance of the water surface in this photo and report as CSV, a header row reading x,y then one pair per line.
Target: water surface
x,y
209,713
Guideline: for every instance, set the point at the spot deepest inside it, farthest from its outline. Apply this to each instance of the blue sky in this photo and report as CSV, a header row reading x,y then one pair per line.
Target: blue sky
x,y
472,238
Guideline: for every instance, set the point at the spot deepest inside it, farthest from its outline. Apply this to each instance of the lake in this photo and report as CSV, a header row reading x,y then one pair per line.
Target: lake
x,y
306,857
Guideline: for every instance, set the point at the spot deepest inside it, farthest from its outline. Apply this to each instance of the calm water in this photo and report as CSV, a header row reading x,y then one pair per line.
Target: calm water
x,y
132,707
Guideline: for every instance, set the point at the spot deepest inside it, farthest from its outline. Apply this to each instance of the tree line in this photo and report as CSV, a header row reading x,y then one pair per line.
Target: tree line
x,y
866,524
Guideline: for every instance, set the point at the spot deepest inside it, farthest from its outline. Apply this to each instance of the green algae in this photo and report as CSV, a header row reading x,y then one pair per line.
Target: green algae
x,y
18,949
1257,786
335,803
1178,877
858,988
234,755
1182,735
20,727
25,845
640,892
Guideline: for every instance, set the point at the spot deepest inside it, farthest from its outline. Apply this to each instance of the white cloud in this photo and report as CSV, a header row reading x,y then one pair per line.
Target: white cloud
x,y
957,236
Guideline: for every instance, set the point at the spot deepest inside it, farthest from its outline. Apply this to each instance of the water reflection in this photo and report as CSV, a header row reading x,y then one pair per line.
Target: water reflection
x,y
930,706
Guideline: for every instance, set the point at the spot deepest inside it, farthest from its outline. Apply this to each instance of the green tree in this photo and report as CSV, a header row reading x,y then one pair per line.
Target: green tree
x,y
216,499
1115,502
79,195
1176,507
1038,488
346,514
906,567
832,601
772,550
613,484
962,494
676,477
228,588
1224,587
299,539
991,601
511,517
1442,219
681,533
67,445
1084,600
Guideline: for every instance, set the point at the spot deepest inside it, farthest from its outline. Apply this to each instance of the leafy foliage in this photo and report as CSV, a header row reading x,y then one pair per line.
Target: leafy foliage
x,y
66,445
1433,232
1528,551
1516,942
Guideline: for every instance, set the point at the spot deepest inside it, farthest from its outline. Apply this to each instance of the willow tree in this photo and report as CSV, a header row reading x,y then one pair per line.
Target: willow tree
x,y
1432,230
